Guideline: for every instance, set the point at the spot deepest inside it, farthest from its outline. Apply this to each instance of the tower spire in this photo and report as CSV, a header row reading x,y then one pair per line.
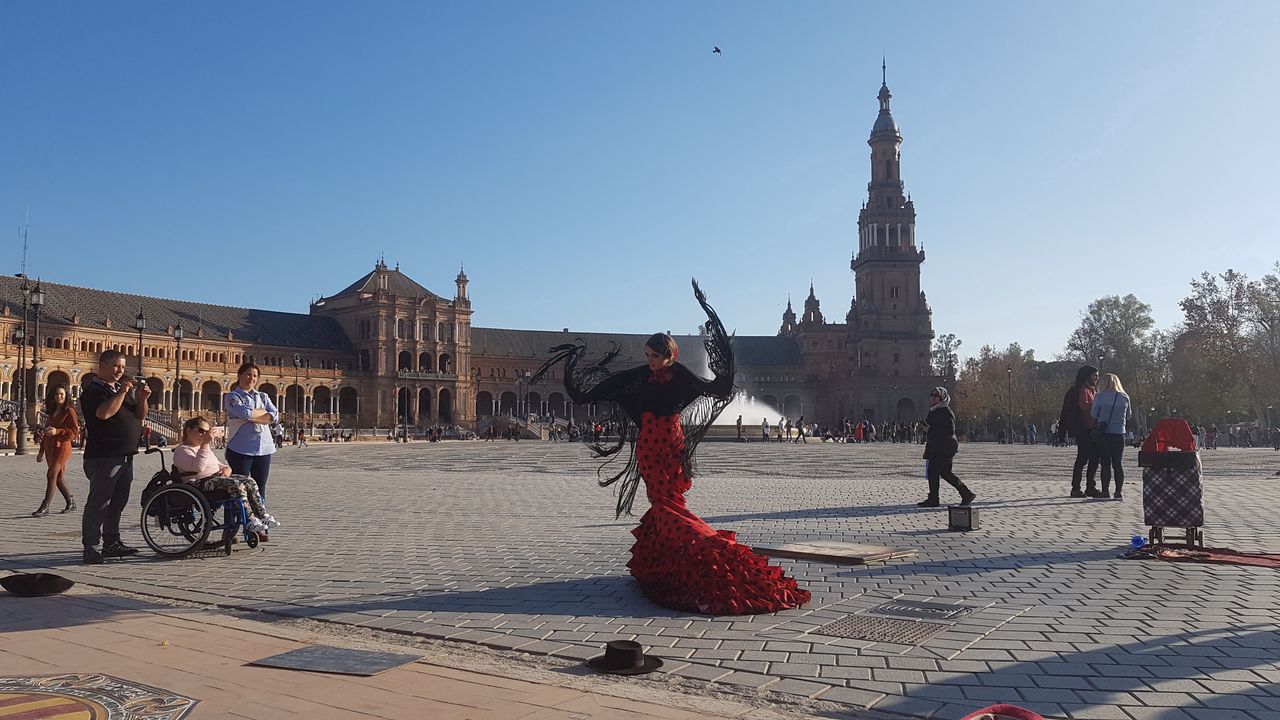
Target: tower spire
x,y
884,70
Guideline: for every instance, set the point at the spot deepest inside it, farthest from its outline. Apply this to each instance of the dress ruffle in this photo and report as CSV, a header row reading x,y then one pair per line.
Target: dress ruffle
x,y
679,560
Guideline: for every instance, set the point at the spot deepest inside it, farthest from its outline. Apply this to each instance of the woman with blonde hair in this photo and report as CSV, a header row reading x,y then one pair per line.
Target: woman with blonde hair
x,y
1111,410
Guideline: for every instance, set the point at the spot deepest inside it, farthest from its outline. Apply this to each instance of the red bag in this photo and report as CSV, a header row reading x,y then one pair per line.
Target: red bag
x,y
1170,433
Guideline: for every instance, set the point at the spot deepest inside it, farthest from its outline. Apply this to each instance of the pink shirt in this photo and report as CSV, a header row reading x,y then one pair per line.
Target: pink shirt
x,y
199,460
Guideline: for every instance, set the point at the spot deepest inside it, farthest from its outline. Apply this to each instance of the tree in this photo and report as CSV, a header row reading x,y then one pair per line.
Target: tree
x,y
1116,334
944,357
1264,316
1216,366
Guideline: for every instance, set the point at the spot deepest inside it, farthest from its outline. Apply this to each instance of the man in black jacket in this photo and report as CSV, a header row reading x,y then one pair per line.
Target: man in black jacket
x,y
113,415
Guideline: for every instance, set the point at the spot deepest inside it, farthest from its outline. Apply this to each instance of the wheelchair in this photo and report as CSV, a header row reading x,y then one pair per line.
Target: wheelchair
x,y
178,518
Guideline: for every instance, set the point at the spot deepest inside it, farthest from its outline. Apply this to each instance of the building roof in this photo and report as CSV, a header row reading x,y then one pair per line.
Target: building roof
x,y
397,283
67,303
534,344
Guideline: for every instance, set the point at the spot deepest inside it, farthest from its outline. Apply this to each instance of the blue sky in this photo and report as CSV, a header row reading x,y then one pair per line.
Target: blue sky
x,y
585,159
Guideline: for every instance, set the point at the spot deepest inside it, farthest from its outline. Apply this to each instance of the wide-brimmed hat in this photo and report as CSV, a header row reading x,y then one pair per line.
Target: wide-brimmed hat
x,y
624,657
36,584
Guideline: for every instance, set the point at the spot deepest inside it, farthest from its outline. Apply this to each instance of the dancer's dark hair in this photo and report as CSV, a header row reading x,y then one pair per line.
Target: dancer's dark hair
x,y
664,345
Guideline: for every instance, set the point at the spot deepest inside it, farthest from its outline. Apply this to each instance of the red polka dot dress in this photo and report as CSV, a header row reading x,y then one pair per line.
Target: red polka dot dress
x,y
679,560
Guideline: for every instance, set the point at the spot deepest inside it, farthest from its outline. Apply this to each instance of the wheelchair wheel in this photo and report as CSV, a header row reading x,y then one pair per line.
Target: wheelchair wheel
x,y
251,540
176,521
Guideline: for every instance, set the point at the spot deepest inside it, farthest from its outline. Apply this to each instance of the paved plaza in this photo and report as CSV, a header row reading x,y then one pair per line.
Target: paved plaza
x,y
513,546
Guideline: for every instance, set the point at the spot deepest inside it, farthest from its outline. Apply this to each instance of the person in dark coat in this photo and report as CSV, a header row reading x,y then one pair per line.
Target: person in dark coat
x,y
1077,421
940,449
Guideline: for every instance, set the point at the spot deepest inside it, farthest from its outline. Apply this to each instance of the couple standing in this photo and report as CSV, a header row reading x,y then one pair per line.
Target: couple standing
x,y
1098,421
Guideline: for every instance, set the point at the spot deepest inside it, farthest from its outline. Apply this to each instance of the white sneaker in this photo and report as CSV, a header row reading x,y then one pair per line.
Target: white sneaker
x,y
270,521
255,525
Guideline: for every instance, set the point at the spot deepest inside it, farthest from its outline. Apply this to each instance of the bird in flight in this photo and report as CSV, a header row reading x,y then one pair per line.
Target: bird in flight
x,y
715,50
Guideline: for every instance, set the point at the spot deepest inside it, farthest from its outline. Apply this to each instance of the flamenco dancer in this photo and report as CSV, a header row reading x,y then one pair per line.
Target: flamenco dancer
x,y
678,560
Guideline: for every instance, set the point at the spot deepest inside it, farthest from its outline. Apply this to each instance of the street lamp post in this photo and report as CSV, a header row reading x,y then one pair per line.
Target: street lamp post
x,y
1009,375
177,374
297,399
37,301
20,337
140,323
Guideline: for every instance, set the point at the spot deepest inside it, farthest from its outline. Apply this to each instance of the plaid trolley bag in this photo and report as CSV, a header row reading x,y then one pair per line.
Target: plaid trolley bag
x,y
1172,495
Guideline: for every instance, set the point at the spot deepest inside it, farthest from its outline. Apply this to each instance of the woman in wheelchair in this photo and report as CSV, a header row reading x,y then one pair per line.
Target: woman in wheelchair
x,y
197,464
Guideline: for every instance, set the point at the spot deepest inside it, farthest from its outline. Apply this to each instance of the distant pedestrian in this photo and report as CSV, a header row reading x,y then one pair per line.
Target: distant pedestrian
x,y
764,429
800,435
940,449
1111,410
1076,420
739,423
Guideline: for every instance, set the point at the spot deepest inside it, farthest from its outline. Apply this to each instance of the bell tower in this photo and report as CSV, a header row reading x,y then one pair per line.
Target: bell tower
x,y
890,325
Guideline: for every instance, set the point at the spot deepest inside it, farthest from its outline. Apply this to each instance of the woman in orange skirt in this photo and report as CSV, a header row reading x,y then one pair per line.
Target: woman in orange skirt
x,y
62,429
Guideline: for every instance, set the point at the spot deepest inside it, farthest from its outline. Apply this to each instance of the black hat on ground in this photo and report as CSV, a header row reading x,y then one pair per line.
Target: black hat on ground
x,y
624,657
36,584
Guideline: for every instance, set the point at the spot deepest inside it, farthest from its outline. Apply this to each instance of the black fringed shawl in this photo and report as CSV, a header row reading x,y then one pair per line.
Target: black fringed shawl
x,y
698,401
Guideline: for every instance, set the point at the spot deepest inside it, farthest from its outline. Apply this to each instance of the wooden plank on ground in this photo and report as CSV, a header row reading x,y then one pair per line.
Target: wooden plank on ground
x,y
833,551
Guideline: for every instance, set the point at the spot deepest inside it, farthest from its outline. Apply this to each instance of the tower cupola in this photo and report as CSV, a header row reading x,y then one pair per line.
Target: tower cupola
x,y
461,281
812,313
788,320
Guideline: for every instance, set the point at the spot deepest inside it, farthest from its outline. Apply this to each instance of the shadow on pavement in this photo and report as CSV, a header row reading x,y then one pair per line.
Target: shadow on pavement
x,y
1226,655
19,614
606,597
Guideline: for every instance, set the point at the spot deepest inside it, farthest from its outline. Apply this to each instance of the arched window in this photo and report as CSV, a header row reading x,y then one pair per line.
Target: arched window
x,y
400,328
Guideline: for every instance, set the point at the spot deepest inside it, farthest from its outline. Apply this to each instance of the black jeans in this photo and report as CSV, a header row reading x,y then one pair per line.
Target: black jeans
x,y
1110,451
109,481
1086,454
940,468
257,467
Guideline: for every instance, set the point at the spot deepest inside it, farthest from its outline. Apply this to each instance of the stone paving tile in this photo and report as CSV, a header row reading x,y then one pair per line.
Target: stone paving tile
x,y
755,681
703,672
1059,606
1095,712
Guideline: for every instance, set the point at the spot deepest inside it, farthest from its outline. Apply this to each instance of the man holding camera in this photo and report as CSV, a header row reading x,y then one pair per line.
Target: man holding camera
x,y
114,407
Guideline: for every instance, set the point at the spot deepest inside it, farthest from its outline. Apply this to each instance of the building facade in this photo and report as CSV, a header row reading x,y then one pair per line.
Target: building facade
x,y
386,350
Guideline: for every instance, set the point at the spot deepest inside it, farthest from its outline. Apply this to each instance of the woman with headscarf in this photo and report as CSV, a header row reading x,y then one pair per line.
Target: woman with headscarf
x,y
940,448
678,560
